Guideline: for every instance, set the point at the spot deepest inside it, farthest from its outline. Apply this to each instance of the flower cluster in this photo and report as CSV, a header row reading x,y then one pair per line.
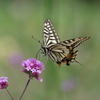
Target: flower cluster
x,y
33,68
3,82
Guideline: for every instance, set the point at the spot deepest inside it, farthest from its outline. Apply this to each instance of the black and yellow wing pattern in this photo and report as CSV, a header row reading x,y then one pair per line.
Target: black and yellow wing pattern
x,y
59,52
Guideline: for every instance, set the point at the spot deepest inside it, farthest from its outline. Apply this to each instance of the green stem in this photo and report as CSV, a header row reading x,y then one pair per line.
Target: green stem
x,y
24,89
9,94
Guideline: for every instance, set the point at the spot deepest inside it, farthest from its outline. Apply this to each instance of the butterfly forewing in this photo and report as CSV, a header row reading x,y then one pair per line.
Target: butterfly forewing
x,y
74,42
50,37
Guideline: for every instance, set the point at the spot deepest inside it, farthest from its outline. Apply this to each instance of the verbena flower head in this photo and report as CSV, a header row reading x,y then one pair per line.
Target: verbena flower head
x,y
3,82
33,68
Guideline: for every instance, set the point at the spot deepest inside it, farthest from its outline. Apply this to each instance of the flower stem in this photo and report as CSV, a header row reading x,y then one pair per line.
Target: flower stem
x,y
24,89
10,94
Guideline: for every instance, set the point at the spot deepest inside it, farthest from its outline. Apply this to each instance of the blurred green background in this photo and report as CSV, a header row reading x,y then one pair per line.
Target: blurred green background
x,y
20,19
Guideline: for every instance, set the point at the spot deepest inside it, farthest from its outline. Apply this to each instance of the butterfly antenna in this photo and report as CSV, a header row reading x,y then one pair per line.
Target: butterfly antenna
x,y
36,40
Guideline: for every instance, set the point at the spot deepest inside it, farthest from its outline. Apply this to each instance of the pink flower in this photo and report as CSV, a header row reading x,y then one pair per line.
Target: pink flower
x,y
70,84
3,82
33,67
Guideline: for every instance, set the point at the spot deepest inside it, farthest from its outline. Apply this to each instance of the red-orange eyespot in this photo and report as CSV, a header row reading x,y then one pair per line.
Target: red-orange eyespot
x,y
64,61
59,63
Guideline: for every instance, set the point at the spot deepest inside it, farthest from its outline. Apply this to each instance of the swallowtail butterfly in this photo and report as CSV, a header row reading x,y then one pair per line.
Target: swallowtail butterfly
x,y
59,51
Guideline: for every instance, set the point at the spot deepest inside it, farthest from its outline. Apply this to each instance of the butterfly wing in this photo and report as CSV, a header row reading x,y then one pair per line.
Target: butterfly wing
x,y
50,36
71,45
65,51
74,42
57,52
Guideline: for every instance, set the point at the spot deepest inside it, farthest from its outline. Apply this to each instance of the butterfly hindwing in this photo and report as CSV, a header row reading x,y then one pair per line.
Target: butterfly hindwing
x,y
57,52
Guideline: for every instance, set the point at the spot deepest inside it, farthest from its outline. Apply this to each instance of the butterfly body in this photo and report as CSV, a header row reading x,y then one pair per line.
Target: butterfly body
x,y
59,52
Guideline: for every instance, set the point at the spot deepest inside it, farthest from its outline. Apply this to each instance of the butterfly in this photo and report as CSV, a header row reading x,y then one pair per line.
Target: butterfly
x,y
59,51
